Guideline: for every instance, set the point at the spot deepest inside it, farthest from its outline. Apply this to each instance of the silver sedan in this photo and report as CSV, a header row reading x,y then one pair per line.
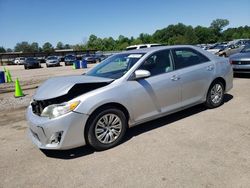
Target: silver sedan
x,y
52,61
241,61
125,90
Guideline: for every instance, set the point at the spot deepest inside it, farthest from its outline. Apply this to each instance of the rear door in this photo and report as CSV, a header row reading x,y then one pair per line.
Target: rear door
x,y
195,73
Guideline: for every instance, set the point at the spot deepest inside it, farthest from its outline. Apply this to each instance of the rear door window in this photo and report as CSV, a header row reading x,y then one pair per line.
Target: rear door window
x,y
185,57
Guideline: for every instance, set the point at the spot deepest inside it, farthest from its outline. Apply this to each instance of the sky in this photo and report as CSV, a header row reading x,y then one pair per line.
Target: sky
x,y
73,21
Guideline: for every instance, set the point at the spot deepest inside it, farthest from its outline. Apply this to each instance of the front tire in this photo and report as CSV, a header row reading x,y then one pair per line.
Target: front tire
x,y
106,128
215,95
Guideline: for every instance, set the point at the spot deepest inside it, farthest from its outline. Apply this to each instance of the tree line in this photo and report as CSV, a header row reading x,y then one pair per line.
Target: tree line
x,y
171,35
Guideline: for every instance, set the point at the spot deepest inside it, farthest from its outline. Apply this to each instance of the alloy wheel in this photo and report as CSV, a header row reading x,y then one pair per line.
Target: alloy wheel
x,y
108,128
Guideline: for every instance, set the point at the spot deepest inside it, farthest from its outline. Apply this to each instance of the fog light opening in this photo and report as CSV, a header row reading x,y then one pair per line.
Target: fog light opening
x,y
56,138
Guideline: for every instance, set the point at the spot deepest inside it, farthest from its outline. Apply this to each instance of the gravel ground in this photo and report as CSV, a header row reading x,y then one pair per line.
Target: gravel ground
x,y
192,148
29,81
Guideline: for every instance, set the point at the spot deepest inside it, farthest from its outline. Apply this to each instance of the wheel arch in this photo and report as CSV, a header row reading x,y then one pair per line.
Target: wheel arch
x,y
105,106
219,79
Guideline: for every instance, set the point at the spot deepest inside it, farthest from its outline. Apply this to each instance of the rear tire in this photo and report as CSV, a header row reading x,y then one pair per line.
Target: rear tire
x,y
215,95
106,128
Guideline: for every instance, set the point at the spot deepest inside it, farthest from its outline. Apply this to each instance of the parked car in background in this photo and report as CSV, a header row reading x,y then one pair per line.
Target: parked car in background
x,y
229,50
241,61
139,46
31,62
19,60
52,61
239,42
122,91
41,60
69,59
92,58
217,48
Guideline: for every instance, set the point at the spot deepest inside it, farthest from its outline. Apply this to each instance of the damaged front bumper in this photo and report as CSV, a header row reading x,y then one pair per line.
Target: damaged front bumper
x,y
64,132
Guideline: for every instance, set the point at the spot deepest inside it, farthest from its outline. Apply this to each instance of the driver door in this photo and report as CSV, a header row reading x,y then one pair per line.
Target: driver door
x,y
157,94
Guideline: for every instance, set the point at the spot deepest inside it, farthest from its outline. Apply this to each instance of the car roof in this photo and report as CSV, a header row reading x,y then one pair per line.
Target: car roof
x,y
156,48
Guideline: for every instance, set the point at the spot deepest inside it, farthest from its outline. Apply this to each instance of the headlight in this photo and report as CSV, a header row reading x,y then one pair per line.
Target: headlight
x,y
56,110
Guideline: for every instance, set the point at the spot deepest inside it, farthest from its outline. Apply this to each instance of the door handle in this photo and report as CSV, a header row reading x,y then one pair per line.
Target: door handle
x,y
175,78
210,68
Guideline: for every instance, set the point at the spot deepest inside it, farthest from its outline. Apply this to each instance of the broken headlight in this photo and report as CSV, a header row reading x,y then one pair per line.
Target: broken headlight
x,y
56,110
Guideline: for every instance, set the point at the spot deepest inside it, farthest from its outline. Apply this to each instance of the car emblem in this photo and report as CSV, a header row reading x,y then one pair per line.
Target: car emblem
x,y
239,63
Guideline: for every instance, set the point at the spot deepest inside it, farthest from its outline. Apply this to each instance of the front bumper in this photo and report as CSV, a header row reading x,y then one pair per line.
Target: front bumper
x,y
43,130
52,64
69,62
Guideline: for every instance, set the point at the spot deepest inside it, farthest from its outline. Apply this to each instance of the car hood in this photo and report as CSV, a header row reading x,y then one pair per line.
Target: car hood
x,y
51,60
69,60
241,56
60,86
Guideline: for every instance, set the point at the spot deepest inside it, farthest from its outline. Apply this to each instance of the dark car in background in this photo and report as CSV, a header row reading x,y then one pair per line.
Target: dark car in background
x,y
241,61
69,59
31,62
92,59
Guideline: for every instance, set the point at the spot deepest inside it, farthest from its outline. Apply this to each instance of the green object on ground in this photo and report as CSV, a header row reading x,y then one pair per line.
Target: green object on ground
x,y
18,89
9,78
74,66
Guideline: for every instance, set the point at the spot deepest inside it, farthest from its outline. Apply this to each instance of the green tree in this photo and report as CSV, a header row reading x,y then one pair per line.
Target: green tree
x,y
219,24
47,47
67,46
59,46
92,42
34,47
2,50
204,35
22,47
145,38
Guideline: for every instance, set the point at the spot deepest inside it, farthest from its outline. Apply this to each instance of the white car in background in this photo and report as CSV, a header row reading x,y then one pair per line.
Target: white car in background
x,y
216,49
19,60
52,61
139,46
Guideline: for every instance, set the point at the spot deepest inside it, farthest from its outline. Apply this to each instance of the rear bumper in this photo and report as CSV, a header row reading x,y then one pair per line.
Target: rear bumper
x,y
67,130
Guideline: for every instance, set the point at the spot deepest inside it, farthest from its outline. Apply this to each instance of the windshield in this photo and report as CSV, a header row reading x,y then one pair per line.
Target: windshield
x,y
70,58
246,49
30,59
115,66
52,58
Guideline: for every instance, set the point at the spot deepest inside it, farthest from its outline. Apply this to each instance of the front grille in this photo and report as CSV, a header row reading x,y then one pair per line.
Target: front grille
x,y
241,62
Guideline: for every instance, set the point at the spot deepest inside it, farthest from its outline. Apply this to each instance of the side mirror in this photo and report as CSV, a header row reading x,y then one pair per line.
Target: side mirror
x,y
139,74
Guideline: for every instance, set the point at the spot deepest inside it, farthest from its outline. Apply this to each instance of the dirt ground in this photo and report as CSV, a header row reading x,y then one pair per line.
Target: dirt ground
x,y
192,148
32,78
